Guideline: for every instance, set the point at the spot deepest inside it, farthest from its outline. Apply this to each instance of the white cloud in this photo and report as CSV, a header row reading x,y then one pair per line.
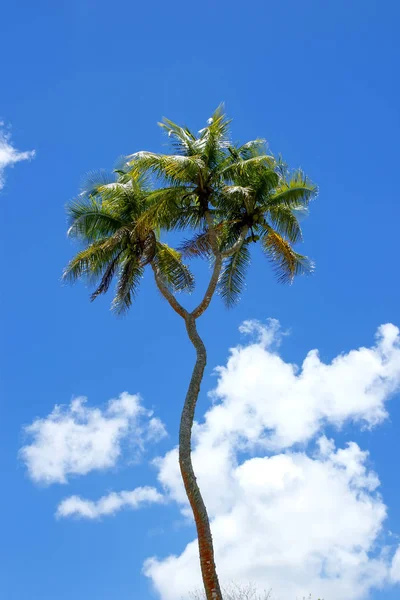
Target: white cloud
x,y
395,567
295,522
110,504
8,154
76,439
268,401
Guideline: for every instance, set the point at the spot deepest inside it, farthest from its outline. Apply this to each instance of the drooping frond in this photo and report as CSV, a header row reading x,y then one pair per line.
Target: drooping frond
x,y
233,276
286,262
284,220
92,260
173,271
107,277
129,277
198,246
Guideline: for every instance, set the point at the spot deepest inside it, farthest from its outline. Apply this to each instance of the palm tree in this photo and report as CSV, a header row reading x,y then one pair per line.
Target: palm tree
x,y
228,196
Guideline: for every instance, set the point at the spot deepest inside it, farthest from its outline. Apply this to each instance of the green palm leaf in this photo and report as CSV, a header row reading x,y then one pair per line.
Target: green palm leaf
x,y
214,139
168,208
183,139
285,222
91,261
90,221
233,276
298,191
175,168
129,278
171,268
240,168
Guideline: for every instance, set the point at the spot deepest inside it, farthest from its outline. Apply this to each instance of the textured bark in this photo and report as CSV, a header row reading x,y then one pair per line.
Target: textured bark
x,y
212,286
206,549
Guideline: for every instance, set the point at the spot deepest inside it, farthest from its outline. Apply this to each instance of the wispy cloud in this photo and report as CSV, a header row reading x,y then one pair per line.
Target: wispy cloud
x,y
76,439
9,155
75,506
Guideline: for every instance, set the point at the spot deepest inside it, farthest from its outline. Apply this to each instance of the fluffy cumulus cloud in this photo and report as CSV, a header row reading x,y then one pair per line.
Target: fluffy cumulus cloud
x,y
110,504
268,401
296,521
76,439
8,154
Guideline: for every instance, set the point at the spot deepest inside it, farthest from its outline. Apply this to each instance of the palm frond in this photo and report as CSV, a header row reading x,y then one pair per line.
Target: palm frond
x,y
90,221
233,276
92,260
218,124
252,149
286,262
175,168
197,246
173,271
107,277
166,208
214,138
284,220
297,191
95,179
129,278
182,138
240,168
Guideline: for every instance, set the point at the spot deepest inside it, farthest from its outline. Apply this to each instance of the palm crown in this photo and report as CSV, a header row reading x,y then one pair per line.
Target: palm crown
x,y
228,196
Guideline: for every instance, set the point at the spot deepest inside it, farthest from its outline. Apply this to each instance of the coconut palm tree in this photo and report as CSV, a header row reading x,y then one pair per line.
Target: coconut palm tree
x,y
228,197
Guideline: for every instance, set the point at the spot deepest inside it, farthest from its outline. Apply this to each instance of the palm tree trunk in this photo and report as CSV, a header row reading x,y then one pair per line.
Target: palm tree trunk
x,y
206,549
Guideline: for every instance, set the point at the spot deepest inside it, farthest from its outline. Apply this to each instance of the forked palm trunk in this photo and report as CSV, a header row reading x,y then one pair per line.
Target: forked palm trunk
x,y
206,549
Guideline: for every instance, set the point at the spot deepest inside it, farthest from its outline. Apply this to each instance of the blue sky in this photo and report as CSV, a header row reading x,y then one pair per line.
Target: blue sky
x,y
85,82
